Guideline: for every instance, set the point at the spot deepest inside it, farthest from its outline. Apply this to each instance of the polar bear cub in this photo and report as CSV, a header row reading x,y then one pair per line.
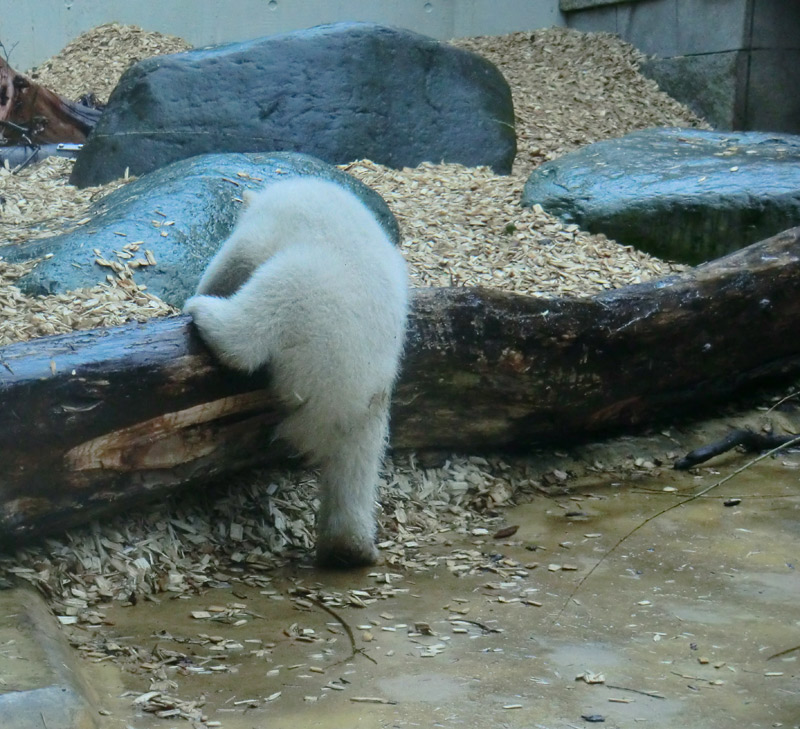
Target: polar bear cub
x,y
309,284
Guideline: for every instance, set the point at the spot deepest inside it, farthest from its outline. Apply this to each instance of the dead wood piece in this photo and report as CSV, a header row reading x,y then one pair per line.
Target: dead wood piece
x,y
31,114
651,694
748,439
96,420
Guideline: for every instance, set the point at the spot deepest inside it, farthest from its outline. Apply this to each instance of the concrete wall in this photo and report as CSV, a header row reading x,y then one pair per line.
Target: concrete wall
x,y
773,98
736,62
42,27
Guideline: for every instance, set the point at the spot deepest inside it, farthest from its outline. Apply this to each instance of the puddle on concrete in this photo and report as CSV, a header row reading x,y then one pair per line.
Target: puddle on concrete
x,y
680,620
429,687
21,655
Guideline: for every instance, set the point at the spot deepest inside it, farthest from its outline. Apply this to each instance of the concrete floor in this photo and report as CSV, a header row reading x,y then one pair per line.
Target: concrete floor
x,y
688,610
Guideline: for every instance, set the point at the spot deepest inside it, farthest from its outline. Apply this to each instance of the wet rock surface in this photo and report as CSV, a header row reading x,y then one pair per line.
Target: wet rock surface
x,y
340,92
681,194
181,213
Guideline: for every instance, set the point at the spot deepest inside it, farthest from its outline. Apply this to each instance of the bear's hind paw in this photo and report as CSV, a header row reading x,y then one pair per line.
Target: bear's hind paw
x,y
339,554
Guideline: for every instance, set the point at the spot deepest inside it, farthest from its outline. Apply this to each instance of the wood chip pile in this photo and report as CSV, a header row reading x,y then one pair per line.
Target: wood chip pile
x,y
263,520
571,89
94,61
255,525
464,226
460,227
108,304
39,203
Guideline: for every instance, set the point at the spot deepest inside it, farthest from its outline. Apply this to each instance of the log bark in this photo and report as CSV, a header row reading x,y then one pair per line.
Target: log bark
x,y
31,114
98,420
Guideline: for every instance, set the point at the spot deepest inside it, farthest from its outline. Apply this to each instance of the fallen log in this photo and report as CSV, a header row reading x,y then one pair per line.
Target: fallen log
x,y
98,420
33,115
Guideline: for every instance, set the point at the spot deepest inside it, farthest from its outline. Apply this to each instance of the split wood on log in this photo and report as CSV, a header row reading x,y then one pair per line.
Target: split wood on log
x,y
93,421
32,114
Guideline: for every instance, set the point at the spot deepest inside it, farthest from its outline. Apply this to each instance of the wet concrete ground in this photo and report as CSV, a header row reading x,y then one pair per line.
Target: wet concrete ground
x,y
674,629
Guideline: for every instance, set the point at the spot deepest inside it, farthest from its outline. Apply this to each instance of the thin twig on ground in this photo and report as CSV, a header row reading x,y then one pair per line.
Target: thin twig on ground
x,y
795,440
347,629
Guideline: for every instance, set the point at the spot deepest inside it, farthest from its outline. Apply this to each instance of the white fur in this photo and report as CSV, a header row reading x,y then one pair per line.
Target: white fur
x,y
309,284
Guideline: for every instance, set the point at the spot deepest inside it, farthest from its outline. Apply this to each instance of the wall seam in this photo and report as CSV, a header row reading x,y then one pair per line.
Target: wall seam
x,y
750,12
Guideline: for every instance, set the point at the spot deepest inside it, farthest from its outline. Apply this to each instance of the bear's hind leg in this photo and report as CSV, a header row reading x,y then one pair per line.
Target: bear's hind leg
x,y
349,488
226,273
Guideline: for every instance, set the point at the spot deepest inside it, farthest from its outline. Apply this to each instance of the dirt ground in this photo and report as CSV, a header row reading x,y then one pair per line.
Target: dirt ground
x,y
679,626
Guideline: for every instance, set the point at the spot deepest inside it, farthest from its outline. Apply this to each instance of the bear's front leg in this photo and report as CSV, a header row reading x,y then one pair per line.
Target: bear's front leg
x,y
223,326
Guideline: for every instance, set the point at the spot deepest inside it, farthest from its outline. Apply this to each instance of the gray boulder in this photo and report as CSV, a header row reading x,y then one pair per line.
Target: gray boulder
x,y
339,92
681,194
182,213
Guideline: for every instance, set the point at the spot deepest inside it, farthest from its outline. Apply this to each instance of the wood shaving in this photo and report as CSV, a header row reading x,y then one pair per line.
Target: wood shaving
x,y
39,202
461,226
115,302
189,547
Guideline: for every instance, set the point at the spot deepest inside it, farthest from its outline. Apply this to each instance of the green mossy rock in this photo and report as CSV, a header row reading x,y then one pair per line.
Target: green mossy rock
x,y
182,212
684,195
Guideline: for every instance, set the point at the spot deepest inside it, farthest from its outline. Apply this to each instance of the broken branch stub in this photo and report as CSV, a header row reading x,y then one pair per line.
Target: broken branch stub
x,y
31,114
